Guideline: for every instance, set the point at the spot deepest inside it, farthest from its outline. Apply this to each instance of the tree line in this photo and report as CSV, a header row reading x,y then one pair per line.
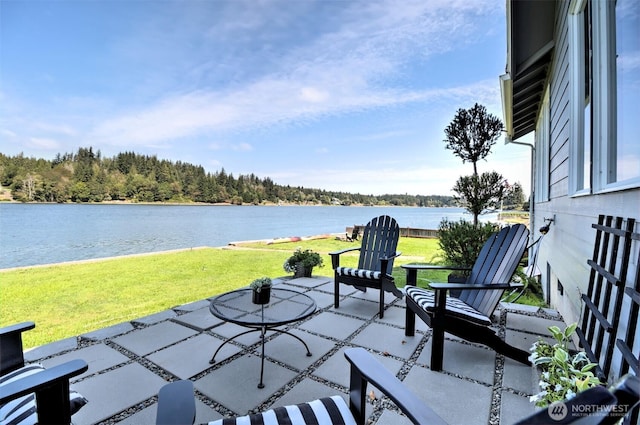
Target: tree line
x,y
87,176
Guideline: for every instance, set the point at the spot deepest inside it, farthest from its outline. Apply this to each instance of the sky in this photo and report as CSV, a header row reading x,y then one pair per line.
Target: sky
x,y
342,95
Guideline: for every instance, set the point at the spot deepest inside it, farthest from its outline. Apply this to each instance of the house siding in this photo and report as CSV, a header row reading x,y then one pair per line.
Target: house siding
x,y
564,251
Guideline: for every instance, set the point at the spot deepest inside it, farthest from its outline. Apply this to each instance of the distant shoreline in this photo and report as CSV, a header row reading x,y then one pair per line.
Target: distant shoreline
x,y
216,204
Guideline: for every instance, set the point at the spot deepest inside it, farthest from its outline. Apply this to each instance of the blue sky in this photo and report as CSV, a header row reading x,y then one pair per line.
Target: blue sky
x,y
338,95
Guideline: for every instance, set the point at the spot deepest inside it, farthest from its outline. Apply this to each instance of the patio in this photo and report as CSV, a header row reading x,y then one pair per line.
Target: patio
x,y
129,362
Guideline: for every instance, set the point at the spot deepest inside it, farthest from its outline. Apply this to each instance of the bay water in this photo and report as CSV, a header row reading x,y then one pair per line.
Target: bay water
x,y
35,234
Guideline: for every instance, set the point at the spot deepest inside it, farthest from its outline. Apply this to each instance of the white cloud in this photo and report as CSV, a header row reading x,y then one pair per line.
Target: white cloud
x,y
313,95
44,143
242,147
347,63
8,133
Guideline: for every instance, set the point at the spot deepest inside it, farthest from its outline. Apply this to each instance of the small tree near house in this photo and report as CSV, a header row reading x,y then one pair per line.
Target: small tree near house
x,y
470,136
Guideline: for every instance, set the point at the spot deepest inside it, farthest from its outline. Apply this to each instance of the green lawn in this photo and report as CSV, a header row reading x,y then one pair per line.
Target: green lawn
x,y
71,299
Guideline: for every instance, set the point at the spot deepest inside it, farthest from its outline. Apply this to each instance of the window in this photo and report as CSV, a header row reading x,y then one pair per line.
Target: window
x,y
542,152
605,96
581,56
627,61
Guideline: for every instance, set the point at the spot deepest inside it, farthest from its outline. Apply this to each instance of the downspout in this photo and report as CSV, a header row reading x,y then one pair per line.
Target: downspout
x,y
508,140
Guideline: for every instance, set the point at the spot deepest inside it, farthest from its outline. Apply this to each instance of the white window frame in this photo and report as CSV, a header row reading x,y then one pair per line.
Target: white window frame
x,y
542,136
577,133
604,94
603,101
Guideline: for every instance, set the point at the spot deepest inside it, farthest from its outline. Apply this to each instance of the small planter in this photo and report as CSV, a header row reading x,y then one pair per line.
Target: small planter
x,y
261,297
261,290
302,262
302,271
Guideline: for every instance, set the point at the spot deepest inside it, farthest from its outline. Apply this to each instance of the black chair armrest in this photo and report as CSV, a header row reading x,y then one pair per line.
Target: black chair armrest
x,y
19,328
627,392
11,353
593,398
176,404
487,287
419,267
51,387
396,255
365,368
413,269
342,251
335,255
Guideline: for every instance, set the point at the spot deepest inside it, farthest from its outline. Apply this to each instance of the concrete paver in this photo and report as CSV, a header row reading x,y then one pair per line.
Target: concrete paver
x,y
154,337
387,339
243,395
99,357
200,319
473,361
191,357
333,325
456,400
129,363
110,393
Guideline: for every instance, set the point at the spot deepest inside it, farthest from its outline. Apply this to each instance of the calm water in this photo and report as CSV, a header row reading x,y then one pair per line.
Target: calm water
x,y
32,234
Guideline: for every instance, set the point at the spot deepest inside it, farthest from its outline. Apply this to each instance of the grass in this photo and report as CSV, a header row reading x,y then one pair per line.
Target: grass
x,y
66,300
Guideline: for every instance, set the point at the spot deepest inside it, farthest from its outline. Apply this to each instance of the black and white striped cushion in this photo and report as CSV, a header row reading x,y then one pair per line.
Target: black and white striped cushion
x,y
366,274
22,411
331,410
425,299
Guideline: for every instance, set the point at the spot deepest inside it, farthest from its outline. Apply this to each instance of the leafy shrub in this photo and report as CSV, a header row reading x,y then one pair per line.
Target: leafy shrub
x,y
461,241
563,374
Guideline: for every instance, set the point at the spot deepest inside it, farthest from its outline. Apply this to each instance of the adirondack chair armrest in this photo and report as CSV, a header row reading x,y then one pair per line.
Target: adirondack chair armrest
x,y
42,380
335,255
627,391
51,387
11,354
366,369
396,255
487,287
418,267
384,261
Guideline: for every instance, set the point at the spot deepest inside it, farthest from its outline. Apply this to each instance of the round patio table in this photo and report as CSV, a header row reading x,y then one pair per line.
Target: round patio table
x,y
285,306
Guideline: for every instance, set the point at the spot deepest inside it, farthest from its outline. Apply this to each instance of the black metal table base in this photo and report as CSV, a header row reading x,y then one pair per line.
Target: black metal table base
x,y
263,330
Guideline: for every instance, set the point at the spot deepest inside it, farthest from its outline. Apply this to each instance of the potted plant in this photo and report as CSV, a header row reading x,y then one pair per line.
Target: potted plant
x,y
261,290
562,374
302,262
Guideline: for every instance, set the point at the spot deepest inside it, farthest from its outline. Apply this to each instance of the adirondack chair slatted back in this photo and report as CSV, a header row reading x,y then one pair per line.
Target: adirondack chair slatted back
x,y
379,240
496,263
601,312
629,360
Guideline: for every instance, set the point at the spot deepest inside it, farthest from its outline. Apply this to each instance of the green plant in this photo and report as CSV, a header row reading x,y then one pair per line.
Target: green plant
x,y
302,258
563,374
470,136
260,283
461,241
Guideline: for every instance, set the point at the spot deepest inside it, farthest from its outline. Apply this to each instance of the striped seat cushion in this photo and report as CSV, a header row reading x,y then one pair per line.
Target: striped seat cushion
x,y
366,274
22,411
425,299
331,410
